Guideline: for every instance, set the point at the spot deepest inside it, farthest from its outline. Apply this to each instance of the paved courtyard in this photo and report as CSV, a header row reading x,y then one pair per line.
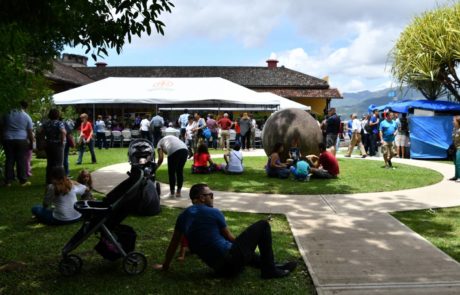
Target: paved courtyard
x,y
349,242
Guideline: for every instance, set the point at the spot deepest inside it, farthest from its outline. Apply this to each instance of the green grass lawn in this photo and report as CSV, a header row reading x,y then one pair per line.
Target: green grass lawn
x,y
356,176
439,226
30,252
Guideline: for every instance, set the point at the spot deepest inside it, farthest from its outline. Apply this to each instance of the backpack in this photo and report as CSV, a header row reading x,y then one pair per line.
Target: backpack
x,y
206,133
149,205
368,128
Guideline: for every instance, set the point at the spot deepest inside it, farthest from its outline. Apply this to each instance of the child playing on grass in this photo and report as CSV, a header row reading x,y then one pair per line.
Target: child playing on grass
x,y
301,170
60,194
85,178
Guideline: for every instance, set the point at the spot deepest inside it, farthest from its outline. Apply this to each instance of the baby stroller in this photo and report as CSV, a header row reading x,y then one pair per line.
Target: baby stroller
x,y
104,217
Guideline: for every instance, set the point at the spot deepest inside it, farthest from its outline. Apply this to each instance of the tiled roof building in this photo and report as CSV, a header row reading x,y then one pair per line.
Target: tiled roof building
x,y
282,81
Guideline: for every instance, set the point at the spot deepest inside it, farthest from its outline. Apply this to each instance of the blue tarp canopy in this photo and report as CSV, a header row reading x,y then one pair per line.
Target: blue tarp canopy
x,y
406,106
430,137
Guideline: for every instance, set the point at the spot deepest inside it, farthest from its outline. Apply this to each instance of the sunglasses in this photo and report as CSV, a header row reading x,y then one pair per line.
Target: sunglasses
x,y
211,195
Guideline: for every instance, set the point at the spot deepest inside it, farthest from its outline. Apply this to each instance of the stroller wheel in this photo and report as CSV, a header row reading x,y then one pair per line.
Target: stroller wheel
x,y
134,263
70,265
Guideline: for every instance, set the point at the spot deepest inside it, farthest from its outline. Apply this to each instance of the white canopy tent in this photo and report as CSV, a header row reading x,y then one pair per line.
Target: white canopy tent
x,y
165,91
284,103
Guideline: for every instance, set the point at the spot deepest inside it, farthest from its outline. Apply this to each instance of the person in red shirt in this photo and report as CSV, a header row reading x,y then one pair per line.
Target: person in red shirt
x,y
86,138
201,159
237,131
225,124
324,166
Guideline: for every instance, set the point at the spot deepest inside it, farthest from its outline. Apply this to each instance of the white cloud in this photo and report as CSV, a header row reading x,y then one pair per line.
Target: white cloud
x,y
354,85
246,22
363,59
349,40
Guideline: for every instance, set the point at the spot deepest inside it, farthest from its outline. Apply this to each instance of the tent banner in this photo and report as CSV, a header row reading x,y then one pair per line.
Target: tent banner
x,y
430,137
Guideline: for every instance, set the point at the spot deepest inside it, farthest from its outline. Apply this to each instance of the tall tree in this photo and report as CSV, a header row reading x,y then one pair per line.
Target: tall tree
x,y
427,53
32,33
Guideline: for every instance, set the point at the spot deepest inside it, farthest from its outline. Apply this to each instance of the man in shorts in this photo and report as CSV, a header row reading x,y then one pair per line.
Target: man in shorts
x,y
388,129
225,124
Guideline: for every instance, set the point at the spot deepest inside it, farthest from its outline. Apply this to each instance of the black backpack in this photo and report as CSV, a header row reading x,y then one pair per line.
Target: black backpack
x,y
368,128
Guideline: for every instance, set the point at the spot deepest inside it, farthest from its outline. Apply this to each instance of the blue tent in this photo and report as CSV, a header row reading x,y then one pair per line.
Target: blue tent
x,y
408,105
430,136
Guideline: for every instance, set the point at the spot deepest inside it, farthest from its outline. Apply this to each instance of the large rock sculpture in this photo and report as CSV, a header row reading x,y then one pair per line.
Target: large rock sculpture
x,y
288,125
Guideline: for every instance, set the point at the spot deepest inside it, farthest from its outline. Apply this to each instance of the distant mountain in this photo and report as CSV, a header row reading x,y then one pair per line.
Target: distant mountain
x,y
359,102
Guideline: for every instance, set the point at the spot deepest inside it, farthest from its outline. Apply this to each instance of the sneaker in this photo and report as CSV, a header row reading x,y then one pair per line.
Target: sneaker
x,y
290,266
453,178
363,156
276,273
27,183
178,195
458,180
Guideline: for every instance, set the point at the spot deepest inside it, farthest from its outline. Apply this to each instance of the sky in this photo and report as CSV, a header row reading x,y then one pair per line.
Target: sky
x,y
347,40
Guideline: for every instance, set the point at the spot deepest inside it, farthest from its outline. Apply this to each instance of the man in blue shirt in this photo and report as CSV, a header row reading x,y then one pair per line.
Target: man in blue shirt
x,y
374,122
156,124
209,237
388,129
183,121
17,141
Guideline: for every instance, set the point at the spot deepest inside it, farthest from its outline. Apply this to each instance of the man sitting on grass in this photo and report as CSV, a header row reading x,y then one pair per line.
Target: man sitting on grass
x,y
209,237
324,166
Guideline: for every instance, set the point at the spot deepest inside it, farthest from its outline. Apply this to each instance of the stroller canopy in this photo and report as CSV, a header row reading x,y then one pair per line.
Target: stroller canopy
x,y
141,149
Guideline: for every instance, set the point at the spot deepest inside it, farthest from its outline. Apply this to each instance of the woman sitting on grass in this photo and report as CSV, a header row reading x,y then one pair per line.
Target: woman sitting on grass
x,y
234,160
201,159
61,194
274,167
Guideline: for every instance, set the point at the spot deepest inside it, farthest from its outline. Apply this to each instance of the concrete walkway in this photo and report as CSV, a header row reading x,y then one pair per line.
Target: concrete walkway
x,y
349,242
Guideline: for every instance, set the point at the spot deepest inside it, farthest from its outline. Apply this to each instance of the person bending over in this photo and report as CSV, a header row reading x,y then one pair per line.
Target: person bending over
x,y
324,166
177,156
209,237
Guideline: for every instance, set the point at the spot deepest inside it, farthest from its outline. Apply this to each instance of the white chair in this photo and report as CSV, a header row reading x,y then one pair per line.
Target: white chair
x,y
117,138
135,133
232,137
258,139
108,137
126,134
